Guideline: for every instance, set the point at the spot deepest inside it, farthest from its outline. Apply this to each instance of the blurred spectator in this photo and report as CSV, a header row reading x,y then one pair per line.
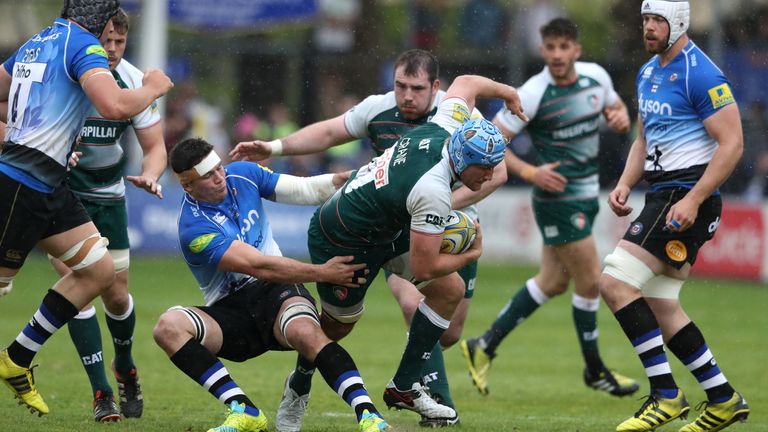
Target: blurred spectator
x,y
483,24
188,116
350,155
337,18
426,24
530,20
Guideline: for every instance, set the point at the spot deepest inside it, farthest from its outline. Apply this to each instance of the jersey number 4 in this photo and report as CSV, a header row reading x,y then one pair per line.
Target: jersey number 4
x,y
24,75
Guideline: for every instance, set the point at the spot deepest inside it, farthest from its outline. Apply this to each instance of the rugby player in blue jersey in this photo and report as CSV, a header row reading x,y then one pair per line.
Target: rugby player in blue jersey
x,y
254,297
50,84
689,142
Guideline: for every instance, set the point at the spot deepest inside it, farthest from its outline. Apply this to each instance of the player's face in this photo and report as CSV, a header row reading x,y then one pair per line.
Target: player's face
x,y
560,54
414,94
474,176
114,43
655,33
210,188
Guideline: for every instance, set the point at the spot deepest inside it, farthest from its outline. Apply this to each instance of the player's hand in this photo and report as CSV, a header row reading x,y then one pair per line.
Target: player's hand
x,y
158,81
337,271
513,103
147,183
545,177
617,200
251,151
617,119
682,215
477,245
74,159
340,178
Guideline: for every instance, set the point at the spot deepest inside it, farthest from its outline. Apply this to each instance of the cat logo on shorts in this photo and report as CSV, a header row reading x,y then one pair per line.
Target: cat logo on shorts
x,y
676,250
579,220
340,292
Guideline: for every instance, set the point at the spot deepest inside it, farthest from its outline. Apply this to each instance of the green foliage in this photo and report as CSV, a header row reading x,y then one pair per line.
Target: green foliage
x,y
535,381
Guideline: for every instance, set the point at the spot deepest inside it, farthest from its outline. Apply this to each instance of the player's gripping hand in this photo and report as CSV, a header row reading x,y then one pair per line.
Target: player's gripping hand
x,y
617,200
147,183
158,81
513,103
337,271
251,151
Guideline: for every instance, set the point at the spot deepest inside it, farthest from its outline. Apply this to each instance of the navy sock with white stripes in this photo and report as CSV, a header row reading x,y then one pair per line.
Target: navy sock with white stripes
x,y
340,372
642,329
689,346
199,364
55,311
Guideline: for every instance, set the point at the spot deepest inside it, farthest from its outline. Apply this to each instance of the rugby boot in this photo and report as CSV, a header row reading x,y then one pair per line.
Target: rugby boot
x,y
611,382
372,423
656,411
105,408
21,381
238,421
291,411
718,416
129,390
478,363
417,400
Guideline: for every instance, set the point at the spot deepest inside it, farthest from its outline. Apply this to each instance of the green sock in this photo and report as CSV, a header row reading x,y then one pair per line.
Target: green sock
x,y
301,381
520,307
585,321
86,336
422,337
434,376
121,327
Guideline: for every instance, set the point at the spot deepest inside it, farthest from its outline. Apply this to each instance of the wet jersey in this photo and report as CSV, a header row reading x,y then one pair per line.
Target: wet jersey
x,y
674,101
207,230
46,105
98,175
378,118
407,187
564,121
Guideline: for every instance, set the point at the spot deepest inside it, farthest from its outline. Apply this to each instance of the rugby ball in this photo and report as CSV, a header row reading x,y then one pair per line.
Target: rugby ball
x,y
459,233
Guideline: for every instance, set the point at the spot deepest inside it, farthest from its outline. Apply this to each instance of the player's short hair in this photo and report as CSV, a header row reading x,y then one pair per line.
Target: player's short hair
x,y
560,27
188,153
121,22
417,59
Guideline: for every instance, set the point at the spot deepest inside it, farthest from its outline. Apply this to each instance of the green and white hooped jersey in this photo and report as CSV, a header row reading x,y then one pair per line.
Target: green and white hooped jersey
x,y
407,187
563,125
378,118
99,174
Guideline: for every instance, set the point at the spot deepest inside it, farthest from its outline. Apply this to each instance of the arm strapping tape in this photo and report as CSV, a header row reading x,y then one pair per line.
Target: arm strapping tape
x,y
304,190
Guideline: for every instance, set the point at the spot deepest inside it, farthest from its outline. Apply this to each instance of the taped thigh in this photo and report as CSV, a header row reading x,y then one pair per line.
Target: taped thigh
x,y
295,311
6,284
627,268
663,287
85,252
344,314
121,258
198,324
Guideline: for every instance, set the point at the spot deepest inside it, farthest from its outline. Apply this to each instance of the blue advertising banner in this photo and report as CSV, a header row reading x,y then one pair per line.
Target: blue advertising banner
x,y
152,223
233,14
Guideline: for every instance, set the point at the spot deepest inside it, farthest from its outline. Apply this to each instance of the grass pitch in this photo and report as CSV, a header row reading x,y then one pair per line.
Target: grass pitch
x,y
535,381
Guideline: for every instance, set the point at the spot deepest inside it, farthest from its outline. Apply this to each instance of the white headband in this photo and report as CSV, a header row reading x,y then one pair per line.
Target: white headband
x,y
211,161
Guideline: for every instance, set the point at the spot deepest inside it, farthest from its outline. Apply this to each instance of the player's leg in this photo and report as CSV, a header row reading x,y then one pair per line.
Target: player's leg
x,y
192,337
580,260
298,326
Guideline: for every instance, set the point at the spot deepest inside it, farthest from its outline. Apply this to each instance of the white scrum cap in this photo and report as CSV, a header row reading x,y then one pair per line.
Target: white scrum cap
x,y
677,14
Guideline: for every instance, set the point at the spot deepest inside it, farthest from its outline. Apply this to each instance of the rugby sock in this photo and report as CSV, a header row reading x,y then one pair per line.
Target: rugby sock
x,y
199,364
689,346
86,336
55,310
121,328
642,329
425,331
520,307
434,376
301,381
585,321
340,372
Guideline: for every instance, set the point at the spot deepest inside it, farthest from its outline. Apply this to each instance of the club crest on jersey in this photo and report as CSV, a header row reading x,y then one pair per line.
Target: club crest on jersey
x,y
579,220
673,77
720,96
593,101
676,250
636,228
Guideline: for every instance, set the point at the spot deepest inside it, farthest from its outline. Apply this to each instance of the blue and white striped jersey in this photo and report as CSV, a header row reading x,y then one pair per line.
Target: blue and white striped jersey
x,y
674,101
207,230
46,105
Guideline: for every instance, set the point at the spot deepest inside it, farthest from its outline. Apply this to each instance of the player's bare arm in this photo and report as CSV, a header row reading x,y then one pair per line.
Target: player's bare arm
x,y
470,87
114,103
428,263
155,159
243,258
725,127
314,138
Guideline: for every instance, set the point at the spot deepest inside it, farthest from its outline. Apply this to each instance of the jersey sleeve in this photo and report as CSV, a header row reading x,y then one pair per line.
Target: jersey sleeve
x,y
264,178
428,205
85,53
204,242
708,89
530,95
359,116
8,64
451,114
133,77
